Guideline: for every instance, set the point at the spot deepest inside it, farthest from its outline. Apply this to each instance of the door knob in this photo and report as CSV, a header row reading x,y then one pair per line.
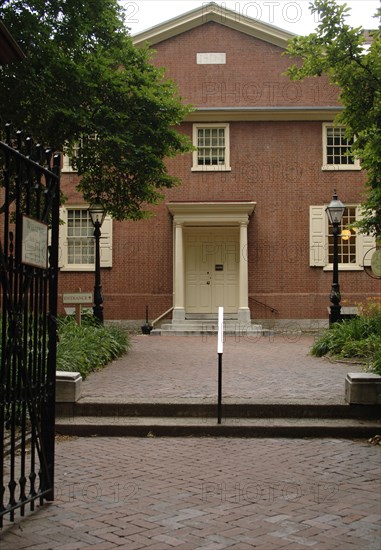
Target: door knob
x,y
208,282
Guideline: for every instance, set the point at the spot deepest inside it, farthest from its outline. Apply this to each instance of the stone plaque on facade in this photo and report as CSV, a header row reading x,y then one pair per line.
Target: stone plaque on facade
x,y
212,58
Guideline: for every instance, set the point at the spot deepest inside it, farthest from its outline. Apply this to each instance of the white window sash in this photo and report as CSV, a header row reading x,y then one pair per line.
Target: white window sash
x,y
105,243
330,166
196,167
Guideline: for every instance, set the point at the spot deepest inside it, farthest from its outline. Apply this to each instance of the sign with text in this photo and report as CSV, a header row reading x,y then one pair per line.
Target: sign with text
x,y
34,248
78,298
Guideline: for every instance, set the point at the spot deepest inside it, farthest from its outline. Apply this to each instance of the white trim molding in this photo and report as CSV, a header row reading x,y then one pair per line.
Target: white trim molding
x,y
238,21
345,147
201,214
223,167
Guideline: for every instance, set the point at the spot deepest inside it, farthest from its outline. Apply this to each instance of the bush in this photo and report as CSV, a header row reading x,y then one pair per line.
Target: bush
x,y
88,347
358,338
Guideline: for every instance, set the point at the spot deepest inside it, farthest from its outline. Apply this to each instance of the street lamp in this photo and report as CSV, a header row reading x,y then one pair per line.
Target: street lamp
x,y
335,211
97,214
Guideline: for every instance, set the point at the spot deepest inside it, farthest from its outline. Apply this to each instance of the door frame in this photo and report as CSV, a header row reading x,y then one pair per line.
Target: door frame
x,y
201,214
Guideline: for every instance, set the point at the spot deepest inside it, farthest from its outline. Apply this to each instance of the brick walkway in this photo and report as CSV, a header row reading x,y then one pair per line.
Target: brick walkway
x,y
258,369
208,494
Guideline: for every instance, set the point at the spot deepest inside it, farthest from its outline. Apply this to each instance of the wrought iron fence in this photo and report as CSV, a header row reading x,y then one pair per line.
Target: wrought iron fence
x,y
29,221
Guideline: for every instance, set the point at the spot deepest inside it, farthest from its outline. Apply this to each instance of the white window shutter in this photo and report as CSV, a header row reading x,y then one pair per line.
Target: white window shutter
x,y
62,238
318,249
368,242
106,242
365,243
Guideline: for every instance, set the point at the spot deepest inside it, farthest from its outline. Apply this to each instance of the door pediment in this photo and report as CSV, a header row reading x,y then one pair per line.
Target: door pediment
x,y
211,213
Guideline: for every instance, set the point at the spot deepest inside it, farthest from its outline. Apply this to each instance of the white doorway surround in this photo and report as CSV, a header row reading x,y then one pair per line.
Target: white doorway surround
x,y
210,258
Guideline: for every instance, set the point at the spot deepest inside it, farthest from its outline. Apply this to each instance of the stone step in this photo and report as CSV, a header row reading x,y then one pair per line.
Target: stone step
x,y
183,332
208,427
207,322
208,326
200,409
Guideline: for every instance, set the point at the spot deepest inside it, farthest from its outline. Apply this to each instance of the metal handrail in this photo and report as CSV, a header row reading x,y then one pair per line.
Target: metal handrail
x,y
162,315
272,309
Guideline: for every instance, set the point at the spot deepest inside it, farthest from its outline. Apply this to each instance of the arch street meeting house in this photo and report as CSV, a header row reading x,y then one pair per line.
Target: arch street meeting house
x,y
247,228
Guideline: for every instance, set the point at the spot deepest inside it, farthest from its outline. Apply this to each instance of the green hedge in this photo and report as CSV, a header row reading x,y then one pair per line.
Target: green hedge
x,y
88,347
358,338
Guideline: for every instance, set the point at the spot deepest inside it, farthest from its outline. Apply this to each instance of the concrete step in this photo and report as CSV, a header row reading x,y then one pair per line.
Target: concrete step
x,y
185,332
87,407
102,418
207,326
208,427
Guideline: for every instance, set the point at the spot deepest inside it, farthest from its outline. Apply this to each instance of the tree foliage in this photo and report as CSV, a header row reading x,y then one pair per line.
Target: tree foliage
x,y
338,50
83,77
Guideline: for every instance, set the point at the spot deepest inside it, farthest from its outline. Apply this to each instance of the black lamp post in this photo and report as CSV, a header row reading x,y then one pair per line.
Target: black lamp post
x,y
97,215
335,211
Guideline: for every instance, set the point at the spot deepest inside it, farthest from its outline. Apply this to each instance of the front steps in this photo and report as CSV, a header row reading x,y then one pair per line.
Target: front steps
x,y
196,327
92,418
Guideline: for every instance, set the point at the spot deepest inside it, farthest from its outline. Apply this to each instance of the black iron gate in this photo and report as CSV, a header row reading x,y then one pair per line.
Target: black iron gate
x,y
29,221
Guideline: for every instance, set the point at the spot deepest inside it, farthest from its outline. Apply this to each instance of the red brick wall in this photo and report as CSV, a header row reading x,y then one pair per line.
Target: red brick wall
x,y
275,164
252,76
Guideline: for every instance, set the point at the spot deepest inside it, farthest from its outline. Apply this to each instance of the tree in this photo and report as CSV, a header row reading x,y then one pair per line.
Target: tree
x,y
83,78
338,50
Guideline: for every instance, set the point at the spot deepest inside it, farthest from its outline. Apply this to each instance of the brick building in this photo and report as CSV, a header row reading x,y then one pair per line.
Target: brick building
x,y
247,228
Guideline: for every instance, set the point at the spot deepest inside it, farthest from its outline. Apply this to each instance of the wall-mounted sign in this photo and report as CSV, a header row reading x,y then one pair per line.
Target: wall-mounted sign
x,y
34,250
372,262
376,262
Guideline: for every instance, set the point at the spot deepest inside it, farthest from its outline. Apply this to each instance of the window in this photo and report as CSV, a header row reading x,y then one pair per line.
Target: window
x,y
77,247
67,165
80,238
352,245
336,149
67,160
212,147
347,242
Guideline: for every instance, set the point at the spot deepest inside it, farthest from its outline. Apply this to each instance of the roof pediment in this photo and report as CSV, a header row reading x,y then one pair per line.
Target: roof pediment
x,y
217,14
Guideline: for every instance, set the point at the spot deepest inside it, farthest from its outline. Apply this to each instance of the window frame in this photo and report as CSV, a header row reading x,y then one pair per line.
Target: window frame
x,y
66,158
105,242
328,166
67,168
211,167
89,237
319,245
344,266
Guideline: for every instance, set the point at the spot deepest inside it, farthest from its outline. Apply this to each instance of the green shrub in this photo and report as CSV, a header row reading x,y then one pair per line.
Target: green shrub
x,y
88,347
358,338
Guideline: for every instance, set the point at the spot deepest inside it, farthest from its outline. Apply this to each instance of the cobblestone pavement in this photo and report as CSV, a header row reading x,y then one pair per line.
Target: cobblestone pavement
x,y
207,494
258,369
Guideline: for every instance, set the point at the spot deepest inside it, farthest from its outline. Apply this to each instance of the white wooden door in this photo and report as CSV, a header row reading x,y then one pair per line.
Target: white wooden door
x,y
211,269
